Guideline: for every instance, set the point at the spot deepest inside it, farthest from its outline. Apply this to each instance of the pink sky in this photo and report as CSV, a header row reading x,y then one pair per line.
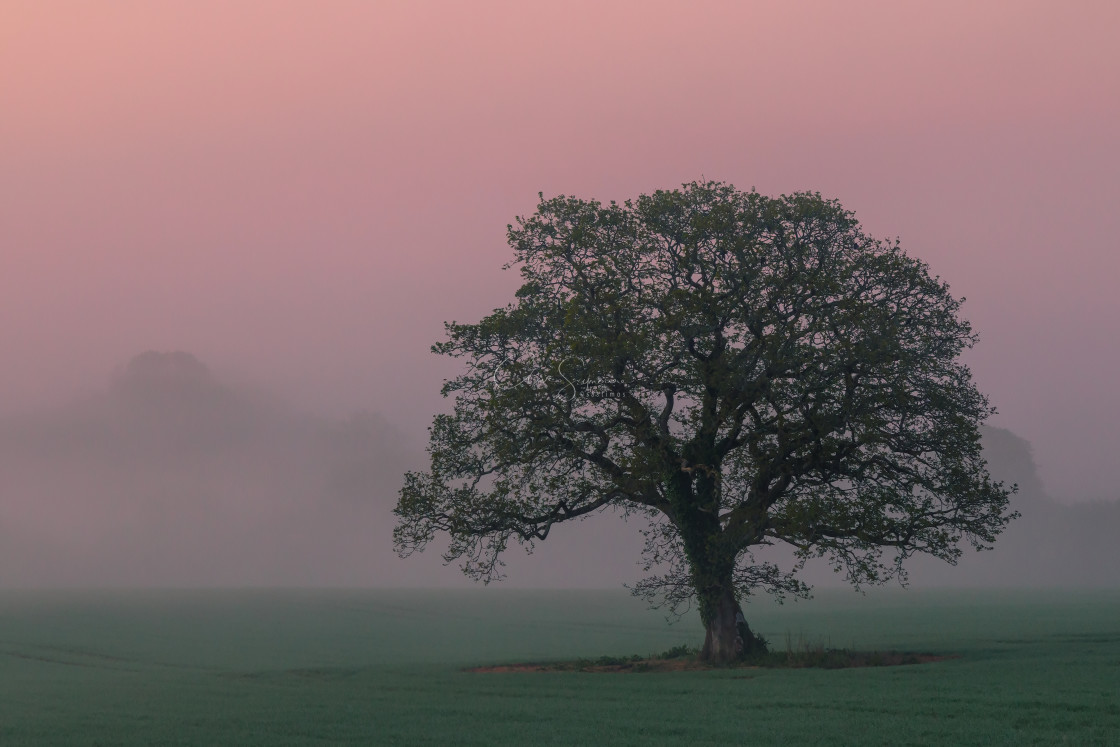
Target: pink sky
x,y
301,193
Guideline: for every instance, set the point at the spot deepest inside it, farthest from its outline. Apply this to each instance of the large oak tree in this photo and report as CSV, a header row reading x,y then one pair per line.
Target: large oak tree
x,y
742,371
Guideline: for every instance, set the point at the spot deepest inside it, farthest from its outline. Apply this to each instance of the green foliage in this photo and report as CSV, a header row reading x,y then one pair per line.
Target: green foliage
x,y
277,668
803,653
682,651
739,370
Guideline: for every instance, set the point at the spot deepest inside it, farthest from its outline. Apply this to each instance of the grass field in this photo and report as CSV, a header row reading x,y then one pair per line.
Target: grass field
x,y
260,667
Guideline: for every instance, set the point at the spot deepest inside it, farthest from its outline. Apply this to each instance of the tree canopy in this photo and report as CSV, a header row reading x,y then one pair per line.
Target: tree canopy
x,y
741,371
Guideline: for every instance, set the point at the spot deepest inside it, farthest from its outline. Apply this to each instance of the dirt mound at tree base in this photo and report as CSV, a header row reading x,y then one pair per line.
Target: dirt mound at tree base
x,y
825,659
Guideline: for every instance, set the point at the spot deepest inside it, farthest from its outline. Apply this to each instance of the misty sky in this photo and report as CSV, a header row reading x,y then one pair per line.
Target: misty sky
x,y
301,193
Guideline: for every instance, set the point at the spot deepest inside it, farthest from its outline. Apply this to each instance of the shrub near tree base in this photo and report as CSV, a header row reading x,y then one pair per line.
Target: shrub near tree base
x,y
739,371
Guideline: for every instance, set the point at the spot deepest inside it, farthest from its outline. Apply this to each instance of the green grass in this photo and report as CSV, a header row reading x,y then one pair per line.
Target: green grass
x,y
385,667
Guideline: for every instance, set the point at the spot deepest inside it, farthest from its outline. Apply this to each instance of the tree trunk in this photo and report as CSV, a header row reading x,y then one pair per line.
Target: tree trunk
x,y
712,565
728,636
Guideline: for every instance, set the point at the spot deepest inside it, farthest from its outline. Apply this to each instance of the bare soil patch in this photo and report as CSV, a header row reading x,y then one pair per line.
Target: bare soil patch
x,y
828,659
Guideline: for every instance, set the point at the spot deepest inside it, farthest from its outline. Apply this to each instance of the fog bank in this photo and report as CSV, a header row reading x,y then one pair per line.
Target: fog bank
x,y
170,476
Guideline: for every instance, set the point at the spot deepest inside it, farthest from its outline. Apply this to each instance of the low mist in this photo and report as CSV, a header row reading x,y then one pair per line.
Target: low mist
x,y
169,476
